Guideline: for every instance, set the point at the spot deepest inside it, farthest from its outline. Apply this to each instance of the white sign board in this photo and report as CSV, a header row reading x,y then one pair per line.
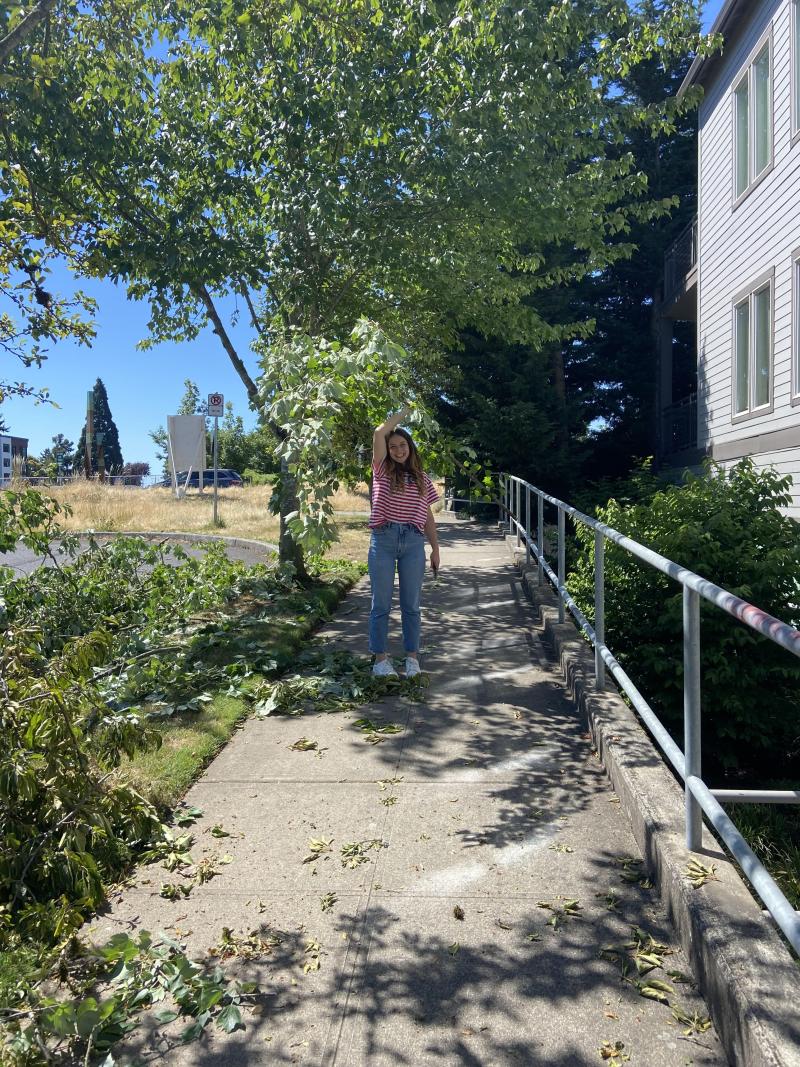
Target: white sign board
x,y
187,445
216,405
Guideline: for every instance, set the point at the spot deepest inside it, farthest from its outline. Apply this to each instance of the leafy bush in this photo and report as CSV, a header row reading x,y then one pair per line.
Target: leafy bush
x,y
728,527
115,585
134,975
251,477
65,826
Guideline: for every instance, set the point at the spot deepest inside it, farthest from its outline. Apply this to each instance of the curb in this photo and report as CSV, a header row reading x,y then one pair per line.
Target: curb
x,y
173,535
749,980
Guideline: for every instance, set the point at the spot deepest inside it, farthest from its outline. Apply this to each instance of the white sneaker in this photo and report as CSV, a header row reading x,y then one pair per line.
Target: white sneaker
x,y
383,668
412,667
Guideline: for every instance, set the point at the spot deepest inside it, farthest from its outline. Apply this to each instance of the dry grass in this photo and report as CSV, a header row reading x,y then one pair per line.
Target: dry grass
x,y
244,513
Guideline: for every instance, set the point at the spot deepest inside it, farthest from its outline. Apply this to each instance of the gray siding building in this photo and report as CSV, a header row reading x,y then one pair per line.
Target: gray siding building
x,y
746,277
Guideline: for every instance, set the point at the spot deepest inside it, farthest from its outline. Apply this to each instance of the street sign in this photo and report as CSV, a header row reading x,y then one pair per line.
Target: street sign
x,y
216,405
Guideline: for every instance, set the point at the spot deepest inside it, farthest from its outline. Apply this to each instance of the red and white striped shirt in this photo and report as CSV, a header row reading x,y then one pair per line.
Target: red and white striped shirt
x,y
406,506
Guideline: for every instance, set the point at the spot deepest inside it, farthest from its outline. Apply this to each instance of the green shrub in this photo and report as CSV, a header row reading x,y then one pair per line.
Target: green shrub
x,y
66,827
252,477
67,718
728,527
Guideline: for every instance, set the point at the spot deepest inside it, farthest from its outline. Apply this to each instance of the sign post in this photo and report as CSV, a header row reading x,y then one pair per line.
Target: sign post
x,y
216,408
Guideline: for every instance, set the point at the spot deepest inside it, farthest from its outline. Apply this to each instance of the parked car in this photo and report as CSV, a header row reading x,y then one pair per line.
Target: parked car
x,y
226,479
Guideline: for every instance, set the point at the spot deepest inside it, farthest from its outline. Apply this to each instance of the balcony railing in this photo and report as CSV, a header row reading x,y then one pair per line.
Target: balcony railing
x,y
679,260
679,426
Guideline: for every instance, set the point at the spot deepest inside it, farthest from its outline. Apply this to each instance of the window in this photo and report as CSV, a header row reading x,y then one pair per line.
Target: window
x,y
752,349
796,327
6,446
796,67
752,107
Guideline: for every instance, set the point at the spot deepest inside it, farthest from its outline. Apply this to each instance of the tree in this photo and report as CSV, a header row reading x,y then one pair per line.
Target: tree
x,y
616,367
582,409
234,447
505,403
262,446
381,162
135,470
15,32
104,451
59,459
31,315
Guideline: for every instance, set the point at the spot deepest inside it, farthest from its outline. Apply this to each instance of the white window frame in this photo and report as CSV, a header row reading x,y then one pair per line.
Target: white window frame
x,y
747,296
795,398
747,76
795,65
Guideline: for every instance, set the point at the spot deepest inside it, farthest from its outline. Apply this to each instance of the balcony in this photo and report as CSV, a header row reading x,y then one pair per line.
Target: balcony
x,y
679,427
680,276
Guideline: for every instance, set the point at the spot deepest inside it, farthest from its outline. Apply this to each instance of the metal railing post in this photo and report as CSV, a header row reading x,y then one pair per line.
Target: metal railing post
x,y
599,609
527,526
518,514
510,504
691,712
540,534
562,555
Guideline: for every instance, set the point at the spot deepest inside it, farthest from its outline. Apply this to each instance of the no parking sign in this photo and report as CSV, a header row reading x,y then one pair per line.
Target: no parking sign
x,y
216,405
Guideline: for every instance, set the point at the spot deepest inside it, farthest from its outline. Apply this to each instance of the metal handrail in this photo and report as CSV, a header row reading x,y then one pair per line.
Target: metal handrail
x,y
699,798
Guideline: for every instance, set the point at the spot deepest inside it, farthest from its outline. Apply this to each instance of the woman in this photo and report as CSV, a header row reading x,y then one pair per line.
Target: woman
x,y
401,517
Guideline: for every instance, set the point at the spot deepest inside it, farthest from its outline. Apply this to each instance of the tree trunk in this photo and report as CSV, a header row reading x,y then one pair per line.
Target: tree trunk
x,y
288,549
562,439
653,404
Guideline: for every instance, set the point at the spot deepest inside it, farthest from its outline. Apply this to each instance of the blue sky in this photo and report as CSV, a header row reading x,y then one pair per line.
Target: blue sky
x,y
143,387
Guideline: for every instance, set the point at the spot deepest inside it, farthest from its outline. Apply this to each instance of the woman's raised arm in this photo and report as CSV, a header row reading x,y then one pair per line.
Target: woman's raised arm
x,y
383,431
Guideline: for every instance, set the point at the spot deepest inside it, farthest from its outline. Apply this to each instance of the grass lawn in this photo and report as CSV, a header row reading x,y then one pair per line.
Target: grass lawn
x,y
244,513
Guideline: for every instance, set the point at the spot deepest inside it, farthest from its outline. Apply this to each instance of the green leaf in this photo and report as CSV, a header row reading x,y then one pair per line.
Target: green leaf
x,y
230,1019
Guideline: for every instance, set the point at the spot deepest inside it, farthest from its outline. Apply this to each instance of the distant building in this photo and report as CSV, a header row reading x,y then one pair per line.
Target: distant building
x,y
13,454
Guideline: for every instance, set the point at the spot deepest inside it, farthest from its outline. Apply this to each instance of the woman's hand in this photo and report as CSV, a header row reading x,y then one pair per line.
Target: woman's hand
x,y
383,431
435,560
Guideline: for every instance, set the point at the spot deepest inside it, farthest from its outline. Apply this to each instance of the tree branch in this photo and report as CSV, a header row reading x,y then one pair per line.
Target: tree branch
x,y
203,295
253,317
23,28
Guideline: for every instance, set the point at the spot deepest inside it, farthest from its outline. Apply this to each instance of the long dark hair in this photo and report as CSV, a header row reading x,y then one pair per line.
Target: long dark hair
x,y
412,467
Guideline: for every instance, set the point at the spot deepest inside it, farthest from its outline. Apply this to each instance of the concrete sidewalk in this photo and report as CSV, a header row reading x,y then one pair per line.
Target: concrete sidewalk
x,y
488,805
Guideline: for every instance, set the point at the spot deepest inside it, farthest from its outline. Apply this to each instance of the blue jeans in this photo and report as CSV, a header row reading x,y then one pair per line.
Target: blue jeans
x,y
396,546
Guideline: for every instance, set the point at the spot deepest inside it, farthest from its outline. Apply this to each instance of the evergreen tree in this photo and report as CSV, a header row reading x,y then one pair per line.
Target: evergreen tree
x,y
59,458
616,368
107,445
565,412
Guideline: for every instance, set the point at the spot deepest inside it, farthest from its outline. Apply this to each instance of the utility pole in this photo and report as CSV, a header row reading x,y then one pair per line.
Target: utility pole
x,y
87,444
101,456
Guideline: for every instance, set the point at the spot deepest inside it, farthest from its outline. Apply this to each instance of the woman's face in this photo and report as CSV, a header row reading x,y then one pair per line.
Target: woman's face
x,y
398,448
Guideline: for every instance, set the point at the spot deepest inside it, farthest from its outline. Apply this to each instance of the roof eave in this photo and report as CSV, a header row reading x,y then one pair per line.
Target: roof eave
x,y
730,18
